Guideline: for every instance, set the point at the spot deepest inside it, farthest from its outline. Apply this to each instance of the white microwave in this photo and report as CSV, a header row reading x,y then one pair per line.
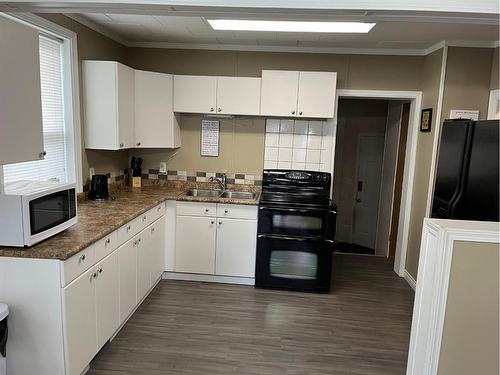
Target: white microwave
x,y
32,211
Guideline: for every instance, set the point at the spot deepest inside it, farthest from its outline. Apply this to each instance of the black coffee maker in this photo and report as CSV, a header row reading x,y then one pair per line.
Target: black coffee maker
x,y
99,187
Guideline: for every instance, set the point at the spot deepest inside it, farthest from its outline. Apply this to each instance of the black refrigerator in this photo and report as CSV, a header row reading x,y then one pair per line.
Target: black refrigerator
x,y
467,171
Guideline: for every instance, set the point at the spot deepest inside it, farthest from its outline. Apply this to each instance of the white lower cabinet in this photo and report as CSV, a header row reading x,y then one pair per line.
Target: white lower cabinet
x,y
224,245
195,244
127,259
80,322
236,244
107,298
143,250
157,243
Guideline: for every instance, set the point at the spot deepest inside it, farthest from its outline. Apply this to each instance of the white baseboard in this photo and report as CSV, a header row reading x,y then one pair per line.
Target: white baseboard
x,y
208,278
410,280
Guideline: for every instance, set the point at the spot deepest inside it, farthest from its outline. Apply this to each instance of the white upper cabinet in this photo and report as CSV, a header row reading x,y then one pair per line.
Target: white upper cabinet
x,y
109,105
316,94
278,96
21,136
221,95
298,94
156,126
238,95
195,94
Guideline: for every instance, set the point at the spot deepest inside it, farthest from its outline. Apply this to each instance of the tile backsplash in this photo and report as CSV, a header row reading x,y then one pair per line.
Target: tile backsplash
x,y
298,144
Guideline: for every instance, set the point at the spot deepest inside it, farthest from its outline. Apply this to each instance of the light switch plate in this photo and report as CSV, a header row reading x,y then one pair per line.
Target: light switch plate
x,y
163,167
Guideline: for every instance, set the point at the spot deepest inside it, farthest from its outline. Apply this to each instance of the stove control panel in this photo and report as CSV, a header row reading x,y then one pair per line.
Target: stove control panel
x,y
296,178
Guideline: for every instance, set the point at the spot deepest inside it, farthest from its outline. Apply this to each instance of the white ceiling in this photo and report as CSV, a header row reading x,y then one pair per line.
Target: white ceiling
x,y
161,30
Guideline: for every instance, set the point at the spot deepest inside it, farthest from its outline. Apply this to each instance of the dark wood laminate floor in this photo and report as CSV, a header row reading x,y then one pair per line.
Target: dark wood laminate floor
x,y
189,328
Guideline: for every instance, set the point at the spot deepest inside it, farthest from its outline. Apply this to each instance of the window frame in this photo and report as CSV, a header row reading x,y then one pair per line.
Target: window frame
x,y
71,86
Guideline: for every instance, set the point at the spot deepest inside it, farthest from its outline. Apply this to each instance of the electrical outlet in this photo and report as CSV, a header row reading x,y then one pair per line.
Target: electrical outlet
x,y
163,167
91,171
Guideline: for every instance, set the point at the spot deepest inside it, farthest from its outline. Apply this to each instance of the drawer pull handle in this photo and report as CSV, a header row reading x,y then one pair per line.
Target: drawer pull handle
x,y
159,208
220,222
82,258
212,222
152,230
100,270
144,218
93,276
226,211
108,241
206,210
128,228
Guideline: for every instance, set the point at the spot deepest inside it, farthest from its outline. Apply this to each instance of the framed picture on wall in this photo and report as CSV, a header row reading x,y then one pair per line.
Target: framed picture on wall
x,y
426,120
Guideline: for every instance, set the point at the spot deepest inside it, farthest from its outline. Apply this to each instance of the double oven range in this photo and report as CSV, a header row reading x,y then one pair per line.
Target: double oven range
x,y
296,229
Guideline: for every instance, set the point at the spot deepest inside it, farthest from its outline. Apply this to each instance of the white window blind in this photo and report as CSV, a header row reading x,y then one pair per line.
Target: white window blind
x,y
54,166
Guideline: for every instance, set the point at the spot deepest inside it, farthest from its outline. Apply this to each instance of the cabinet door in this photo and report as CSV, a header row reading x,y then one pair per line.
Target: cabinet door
x,y
236,244
126,106
21,136
195,94
278,96
144,255
107,298
158,244
238,95
80,322
155,123
316,94
128,275
195,244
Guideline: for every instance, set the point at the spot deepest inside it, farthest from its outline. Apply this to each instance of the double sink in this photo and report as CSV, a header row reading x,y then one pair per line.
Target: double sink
x,y
221,194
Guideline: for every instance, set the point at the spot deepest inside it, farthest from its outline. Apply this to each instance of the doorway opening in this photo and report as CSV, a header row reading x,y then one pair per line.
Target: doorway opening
x,y
368,169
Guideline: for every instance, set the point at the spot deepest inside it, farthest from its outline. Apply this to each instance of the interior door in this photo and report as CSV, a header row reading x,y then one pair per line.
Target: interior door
x,y
107,298
370,157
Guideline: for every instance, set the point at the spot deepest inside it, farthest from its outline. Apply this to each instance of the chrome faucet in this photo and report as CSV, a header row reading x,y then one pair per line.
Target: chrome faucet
x,y
221,181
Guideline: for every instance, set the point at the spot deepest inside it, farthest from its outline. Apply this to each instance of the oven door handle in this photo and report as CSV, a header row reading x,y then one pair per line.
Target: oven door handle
x,y
270,236
302,210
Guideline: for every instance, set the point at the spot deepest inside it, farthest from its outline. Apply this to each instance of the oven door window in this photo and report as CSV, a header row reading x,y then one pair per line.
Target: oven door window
x,y
294,264
312,223
51,210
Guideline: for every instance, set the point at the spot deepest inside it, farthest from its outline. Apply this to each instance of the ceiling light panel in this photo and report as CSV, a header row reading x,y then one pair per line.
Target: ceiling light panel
x,y
291,26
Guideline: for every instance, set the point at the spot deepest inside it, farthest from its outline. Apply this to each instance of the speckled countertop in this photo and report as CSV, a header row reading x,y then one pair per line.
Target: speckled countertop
x,y
97,219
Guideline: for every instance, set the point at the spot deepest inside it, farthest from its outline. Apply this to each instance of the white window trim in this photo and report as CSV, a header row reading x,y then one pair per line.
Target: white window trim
x,y
71,85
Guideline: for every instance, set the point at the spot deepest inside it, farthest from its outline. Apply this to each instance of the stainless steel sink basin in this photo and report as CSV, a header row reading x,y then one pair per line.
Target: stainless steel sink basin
x,y
203,193
238,195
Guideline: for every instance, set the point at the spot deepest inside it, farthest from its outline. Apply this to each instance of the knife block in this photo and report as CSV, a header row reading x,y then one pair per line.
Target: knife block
x,y
134,181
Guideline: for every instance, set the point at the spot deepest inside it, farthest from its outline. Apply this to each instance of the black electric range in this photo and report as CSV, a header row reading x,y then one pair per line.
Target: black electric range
x,y
296,230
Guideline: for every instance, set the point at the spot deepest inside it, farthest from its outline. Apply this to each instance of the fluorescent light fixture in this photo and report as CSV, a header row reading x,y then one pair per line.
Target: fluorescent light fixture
x,y
291,26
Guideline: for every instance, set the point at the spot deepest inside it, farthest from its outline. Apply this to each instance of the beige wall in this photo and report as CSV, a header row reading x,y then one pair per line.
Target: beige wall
x,y
470,343
468,78
353,71
430,92
355,116
241,147
94,46
494,81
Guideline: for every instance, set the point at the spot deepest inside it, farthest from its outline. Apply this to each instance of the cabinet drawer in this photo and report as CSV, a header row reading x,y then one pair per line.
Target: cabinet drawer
x,y
129,230
77,264
196,209
105,246
155,213
235,211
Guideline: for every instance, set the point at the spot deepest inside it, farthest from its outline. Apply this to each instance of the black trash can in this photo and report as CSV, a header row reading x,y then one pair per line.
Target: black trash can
x,y
4,314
